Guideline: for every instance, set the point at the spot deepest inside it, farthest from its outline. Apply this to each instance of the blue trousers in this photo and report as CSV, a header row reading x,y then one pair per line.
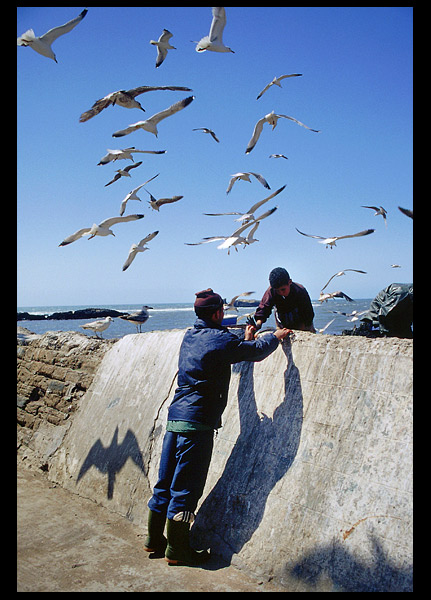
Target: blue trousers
x,y
183,470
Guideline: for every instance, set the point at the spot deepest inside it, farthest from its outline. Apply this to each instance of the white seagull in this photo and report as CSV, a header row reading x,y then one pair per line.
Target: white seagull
x,y
138,318
214,40
342,273
272,119
235,238
276,81
249,215
163,46
132,195
151,123
330,241
231,305
206,130
42,44
123,172
126,99
113,155
135,248
156,204
246,177
278,156
100,325
326,326
325,297
379,210
102,229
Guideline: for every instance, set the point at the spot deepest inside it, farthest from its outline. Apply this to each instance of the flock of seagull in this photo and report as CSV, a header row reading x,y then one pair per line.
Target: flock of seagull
x,y
127,99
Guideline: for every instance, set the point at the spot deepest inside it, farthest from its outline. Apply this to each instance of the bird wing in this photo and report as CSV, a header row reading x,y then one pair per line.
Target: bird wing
x,y
299,123
217,25
97,107
171,109
261,179
221,214
161,55
231,182
255,206
373,207
264,90
116,178
132,166
406,211
50,36
151,88
256,133
107,223
291,75
213,135
360,233
75,236
206,240
318,237
148,238
131,256
150,151
341,273
162,201
265,214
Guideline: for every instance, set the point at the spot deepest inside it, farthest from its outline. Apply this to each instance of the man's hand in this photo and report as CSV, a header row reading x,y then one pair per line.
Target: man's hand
x,y
249,333
280,334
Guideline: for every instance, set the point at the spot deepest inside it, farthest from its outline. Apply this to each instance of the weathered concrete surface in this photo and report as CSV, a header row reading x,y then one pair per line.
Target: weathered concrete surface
x,y
311,478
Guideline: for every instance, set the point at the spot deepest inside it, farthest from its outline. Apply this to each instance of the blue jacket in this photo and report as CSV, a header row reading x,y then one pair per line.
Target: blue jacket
x,y
206,353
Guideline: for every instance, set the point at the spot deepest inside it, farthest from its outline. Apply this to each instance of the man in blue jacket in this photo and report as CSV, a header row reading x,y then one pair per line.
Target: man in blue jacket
x,y
206,354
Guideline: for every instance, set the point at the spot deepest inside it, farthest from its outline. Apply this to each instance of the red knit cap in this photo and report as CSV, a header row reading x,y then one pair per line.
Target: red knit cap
x,y
208,299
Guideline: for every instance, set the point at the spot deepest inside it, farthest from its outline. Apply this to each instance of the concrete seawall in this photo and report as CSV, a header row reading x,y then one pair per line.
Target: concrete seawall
x,y
311,478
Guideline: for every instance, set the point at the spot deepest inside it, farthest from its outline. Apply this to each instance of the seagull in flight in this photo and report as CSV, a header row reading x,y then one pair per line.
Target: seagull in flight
x,y
151,123
276,81
206,130
378,211
278,156
138,318
246,177
123,172
113,155
163,46
214,40
272,119
42,44
101,229
126,99
156,204
100,325
326,326
231,305
135,248
325,297
330,241
249,215
236,238
132,195
342,273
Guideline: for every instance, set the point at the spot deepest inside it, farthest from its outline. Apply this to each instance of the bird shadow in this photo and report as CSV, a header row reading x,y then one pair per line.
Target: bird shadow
x,y
111,459
263,453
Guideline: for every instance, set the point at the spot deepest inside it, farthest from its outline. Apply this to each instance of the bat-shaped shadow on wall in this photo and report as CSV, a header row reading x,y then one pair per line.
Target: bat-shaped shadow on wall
x,y
111,459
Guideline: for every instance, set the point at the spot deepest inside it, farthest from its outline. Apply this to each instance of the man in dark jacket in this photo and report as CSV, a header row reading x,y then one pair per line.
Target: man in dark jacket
x,y
206,354
291,300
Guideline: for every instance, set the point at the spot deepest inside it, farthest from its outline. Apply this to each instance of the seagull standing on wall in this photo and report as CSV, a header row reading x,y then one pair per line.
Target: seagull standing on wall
x,y
42,44
98,326
214,41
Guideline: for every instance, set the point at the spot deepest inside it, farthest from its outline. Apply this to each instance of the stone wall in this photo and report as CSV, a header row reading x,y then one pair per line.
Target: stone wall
x,y
311,477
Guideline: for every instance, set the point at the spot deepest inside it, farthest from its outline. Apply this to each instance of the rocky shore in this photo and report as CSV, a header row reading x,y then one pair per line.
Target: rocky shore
x,y
84,313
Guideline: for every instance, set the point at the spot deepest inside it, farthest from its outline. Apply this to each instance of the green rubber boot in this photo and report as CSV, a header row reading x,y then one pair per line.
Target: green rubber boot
x,y
155,541
178,550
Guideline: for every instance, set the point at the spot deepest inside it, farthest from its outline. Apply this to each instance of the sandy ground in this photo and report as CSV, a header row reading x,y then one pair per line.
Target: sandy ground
x,y
70,544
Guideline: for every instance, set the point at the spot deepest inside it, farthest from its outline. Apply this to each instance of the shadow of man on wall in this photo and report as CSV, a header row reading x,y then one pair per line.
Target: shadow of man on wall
x,y
263,452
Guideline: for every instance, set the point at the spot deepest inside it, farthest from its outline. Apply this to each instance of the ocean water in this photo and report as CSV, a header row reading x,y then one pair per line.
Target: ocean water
x,y
181,316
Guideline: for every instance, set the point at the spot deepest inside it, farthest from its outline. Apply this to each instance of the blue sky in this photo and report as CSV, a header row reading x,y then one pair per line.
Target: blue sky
x,y
356,87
